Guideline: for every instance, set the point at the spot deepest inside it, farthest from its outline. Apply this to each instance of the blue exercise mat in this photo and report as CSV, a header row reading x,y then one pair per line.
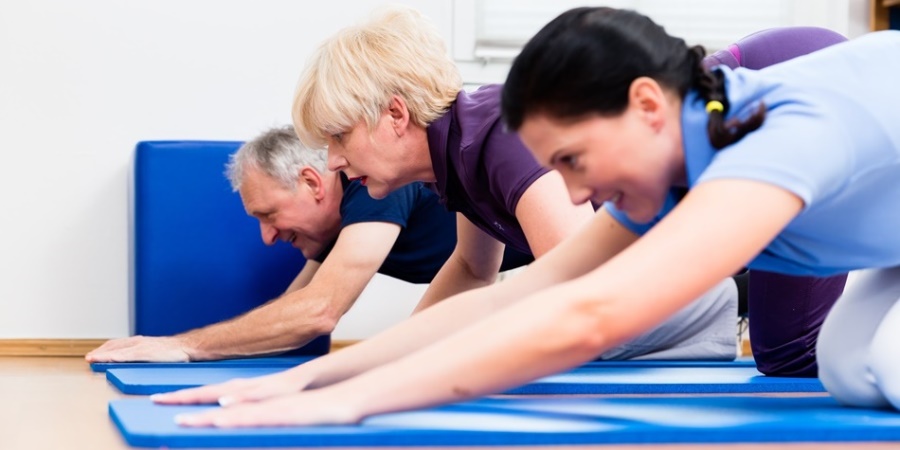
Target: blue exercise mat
x,y
593,379
589,379
539,421
285,362
290,361
739,362
146,381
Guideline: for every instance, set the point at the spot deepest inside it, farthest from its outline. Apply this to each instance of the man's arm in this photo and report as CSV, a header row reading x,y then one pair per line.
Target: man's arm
x,y
304,277
282,324
474,263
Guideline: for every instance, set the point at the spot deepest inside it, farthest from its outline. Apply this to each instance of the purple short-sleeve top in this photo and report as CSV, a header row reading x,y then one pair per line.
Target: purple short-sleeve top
x,y
481,169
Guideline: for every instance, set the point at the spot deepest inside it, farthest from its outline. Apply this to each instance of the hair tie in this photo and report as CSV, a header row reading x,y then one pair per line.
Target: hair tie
x,y
714,105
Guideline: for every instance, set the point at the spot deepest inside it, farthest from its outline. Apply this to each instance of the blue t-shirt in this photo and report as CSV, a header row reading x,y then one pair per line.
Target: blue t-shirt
x,y
427,235
831,136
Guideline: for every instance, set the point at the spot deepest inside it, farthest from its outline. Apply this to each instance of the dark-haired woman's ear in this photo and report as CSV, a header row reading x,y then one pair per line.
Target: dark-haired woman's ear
x,y
649,100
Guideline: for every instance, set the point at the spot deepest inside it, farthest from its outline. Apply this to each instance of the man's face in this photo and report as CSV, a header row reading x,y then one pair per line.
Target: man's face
x,y
298,217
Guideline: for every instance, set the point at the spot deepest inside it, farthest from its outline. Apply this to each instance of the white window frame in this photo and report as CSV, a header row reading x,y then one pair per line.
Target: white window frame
x,y
482,64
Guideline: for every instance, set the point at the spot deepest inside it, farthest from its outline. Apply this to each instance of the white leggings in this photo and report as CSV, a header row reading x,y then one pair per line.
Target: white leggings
x,y
859,345
705,329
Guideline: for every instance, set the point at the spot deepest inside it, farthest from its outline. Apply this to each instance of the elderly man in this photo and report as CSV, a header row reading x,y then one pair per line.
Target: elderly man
x,y
346,236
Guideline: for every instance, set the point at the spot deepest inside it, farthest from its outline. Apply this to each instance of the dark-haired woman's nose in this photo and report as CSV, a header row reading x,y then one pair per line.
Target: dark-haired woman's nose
x,y
578,194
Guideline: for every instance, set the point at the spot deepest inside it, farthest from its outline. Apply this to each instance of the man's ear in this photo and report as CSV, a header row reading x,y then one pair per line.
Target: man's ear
x,y
398,113
649,100
309,178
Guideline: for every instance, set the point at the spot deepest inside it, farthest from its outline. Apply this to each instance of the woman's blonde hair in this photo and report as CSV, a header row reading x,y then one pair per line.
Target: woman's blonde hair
x,y
353,75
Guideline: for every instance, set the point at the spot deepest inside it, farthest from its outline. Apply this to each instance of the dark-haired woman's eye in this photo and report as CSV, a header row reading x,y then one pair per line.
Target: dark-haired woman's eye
x,y
570,161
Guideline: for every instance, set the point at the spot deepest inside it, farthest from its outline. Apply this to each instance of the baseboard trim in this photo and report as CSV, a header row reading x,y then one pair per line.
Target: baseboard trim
x,y
48,347
339,344
80,347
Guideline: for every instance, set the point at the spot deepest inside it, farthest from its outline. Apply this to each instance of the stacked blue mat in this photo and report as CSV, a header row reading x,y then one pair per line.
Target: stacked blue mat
x,y
198,258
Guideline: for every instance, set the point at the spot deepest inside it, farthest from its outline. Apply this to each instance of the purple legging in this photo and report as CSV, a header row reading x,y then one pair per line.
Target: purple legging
x,y
786,313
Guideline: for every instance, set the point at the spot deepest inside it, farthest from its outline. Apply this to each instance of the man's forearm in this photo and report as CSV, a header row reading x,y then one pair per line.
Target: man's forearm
x,y
285,323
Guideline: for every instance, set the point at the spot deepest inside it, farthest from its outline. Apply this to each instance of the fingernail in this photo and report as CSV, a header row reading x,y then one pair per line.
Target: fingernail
x,y
157,397
225,401
183,419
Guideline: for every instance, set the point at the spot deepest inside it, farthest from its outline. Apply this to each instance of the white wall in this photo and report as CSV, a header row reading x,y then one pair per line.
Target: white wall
x,y
82,81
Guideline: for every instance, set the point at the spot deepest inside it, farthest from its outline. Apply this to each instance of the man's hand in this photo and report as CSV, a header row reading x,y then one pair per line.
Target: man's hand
x,y
141,348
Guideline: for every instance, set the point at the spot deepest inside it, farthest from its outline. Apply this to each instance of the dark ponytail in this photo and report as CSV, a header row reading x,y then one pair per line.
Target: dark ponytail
x,y
584,61
710,86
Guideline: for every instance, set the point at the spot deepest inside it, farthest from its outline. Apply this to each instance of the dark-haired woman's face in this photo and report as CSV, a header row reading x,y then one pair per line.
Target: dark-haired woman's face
x,y
624,160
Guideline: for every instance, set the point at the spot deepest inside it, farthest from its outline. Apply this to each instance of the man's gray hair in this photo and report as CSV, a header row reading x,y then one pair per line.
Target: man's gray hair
x,y
279,154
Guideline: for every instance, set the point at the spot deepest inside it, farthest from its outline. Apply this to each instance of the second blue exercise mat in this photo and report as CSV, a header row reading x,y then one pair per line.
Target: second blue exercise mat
x,y
665,380
585,380
291,361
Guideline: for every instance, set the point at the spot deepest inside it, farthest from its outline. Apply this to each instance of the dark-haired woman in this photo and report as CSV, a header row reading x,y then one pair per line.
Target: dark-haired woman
x,y
793,169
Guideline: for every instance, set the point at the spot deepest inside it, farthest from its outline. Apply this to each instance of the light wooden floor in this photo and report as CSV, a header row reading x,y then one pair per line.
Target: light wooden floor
x,y
58,403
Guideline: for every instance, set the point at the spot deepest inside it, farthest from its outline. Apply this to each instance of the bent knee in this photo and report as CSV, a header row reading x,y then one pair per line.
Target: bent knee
x,y
848,377
884,365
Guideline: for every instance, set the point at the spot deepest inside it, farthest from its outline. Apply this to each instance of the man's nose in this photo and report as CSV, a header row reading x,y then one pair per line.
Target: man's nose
x,y
269,233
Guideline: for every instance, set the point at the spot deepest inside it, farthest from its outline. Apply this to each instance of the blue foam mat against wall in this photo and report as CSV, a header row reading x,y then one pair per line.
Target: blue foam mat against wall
x,y
197,257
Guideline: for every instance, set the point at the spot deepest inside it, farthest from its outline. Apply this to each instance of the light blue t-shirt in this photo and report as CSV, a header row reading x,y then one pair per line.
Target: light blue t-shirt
x,y
831,136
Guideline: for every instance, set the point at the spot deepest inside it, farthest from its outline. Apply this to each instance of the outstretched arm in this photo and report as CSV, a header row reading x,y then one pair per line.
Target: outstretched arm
x,y
596,242
287,322
706,238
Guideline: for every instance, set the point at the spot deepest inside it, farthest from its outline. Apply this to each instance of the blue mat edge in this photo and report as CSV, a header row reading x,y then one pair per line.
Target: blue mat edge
x,y
803,385
799,385
286,362
101,367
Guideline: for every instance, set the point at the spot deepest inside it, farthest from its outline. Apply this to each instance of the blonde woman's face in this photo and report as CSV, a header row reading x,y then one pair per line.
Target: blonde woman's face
x,y
374,158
